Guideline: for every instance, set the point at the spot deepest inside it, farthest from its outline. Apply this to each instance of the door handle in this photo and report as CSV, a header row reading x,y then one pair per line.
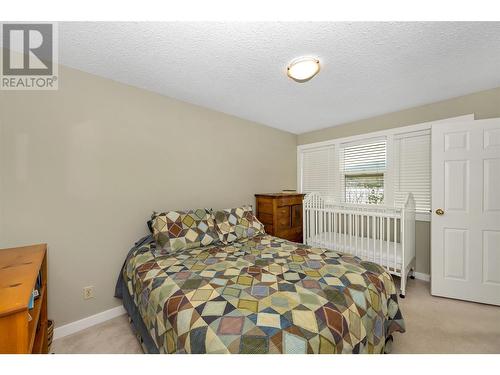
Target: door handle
x,y
439,211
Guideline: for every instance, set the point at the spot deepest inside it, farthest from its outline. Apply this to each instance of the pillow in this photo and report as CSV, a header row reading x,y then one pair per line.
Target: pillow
x,y
180,230
237,223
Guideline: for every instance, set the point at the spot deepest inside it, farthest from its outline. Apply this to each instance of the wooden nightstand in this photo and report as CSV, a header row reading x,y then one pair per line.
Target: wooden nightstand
x,y
281,214
19,270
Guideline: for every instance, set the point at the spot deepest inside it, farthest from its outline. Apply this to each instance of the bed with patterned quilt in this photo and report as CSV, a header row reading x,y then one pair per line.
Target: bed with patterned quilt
x,y
252,292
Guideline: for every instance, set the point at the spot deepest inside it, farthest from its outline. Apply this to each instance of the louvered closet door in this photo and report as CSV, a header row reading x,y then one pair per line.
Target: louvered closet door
x,y
318,170
412,155
465,254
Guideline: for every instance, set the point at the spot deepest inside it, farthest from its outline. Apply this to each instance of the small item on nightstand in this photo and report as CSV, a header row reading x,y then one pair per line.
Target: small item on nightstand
x,y
31,302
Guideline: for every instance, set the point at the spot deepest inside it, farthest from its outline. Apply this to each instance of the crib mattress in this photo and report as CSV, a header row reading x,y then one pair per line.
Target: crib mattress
x,y
361,247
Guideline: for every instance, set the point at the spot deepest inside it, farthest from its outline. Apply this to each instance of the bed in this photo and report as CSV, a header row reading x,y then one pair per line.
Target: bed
x,y
258,295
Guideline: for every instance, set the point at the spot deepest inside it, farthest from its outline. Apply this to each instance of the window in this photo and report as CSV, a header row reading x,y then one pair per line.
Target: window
x,y
377,168
362,168
365,189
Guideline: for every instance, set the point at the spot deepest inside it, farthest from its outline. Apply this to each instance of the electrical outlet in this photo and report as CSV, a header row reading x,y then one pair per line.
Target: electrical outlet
x,y
88,292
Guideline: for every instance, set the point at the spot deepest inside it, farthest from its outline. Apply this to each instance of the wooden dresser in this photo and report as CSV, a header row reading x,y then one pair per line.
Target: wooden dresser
x,y
19,269
281,214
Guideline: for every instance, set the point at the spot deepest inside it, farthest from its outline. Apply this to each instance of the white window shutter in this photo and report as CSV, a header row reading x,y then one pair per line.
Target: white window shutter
x,y
412,169
318,171
365,157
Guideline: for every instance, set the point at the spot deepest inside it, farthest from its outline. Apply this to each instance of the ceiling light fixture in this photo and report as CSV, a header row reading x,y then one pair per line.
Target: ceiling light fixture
x,y
303,69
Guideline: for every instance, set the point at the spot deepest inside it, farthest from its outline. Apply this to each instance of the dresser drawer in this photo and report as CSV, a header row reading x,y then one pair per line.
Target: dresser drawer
x,y
283,217
265,218
265,206
289,201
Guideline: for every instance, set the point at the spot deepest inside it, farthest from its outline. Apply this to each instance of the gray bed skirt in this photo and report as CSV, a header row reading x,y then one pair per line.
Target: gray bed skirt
x,y
121,291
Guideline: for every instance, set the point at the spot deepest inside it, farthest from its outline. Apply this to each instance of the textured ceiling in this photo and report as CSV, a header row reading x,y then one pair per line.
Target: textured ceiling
x,y
239,68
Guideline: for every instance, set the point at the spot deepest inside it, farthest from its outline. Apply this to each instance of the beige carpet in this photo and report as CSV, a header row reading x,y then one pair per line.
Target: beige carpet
x,y
433,325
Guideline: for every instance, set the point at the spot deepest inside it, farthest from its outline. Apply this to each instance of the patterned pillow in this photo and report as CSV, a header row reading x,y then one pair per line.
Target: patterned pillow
x,y
179,230
237,223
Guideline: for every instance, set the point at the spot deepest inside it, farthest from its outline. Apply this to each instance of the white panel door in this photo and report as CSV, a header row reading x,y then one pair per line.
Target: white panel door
x,y
465,232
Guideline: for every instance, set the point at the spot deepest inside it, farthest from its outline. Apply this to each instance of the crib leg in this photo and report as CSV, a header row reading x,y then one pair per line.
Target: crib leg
x,y
403,285
412,273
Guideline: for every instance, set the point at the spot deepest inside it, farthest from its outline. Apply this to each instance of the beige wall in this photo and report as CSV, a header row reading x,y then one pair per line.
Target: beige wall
x,y
83,167
484,104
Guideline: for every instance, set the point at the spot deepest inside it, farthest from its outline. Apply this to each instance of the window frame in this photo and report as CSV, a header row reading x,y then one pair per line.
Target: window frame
x,y
389,134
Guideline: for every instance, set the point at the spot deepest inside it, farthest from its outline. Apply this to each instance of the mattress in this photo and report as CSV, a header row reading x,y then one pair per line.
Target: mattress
x,y
370,250
263,295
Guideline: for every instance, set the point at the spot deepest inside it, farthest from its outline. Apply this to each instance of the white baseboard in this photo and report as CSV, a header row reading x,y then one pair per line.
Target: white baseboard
x,y
422,276
90,321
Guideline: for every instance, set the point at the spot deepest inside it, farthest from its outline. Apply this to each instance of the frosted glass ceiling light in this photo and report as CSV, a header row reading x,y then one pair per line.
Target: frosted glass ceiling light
x,y
303,69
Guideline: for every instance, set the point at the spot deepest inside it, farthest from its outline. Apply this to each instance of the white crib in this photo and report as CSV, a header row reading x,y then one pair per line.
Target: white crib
x,y
377,233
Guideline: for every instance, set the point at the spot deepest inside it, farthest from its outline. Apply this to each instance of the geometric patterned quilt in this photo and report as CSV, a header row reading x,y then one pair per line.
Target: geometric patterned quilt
x,y
262,295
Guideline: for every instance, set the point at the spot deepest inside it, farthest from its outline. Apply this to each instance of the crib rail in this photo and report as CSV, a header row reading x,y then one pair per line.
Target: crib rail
x,y
378,233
